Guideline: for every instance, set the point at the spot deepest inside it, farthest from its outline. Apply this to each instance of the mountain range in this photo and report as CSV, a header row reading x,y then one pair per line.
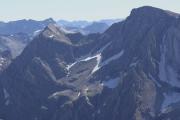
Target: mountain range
x,y
131,71
15,35
23,26
87,27
84,23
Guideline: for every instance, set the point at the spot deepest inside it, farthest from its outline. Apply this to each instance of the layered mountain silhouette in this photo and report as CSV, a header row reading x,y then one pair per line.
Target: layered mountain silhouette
x,y
15,35
96,28
84,23
23,26
87,27
129,72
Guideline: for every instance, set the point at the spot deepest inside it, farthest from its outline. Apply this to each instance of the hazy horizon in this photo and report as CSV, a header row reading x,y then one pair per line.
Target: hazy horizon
x,y
70,10
62,19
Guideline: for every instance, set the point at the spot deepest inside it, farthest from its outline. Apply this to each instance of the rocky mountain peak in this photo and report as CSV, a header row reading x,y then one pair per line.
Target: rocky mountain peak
x,y
49,20
53,32
152,12
146,9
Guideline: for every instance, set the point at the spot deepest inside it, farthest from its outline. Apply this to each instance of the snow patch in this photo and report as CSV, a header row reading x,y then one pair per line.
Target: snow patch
x,y
2,61
86,96
166,72
98,58
66,31
113,58
173,77
91,57
44,108
88,101
112,83
71,65
79,93
55,95
6,94
134,64
51,36
170,99
99,65
6,97
36,32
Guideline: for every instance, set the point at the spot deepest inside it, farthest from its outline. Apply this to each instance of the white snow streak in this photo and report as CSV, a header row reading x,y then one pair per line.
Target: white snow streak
x,y
82,60
113,58
37,32
6,96
97,55
99,65
71,65
98,58
154,80
79,93
66,31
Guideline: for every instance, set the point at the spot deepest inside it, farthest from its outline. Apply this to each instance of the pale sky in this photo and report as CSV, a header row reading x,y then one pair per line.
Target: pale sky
x,y
77,9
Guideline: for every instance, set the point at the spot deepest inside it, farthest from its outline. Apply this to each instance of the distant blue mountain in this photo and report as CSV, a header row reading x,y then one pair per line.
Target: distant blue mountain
x,y
110,21
77,24
87,27
84,23
24,26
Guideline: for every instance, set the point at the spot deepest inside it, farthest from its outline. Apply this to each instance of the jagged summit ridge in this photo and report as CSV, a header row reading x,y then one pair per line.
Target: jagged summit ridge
x,y
53,31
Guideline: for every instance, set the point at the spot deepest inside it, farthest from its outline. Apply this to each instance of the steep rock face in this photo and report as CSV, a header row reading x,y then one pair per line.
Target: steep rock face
x,y
11,46
13,43
37,72
130,72
5,60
